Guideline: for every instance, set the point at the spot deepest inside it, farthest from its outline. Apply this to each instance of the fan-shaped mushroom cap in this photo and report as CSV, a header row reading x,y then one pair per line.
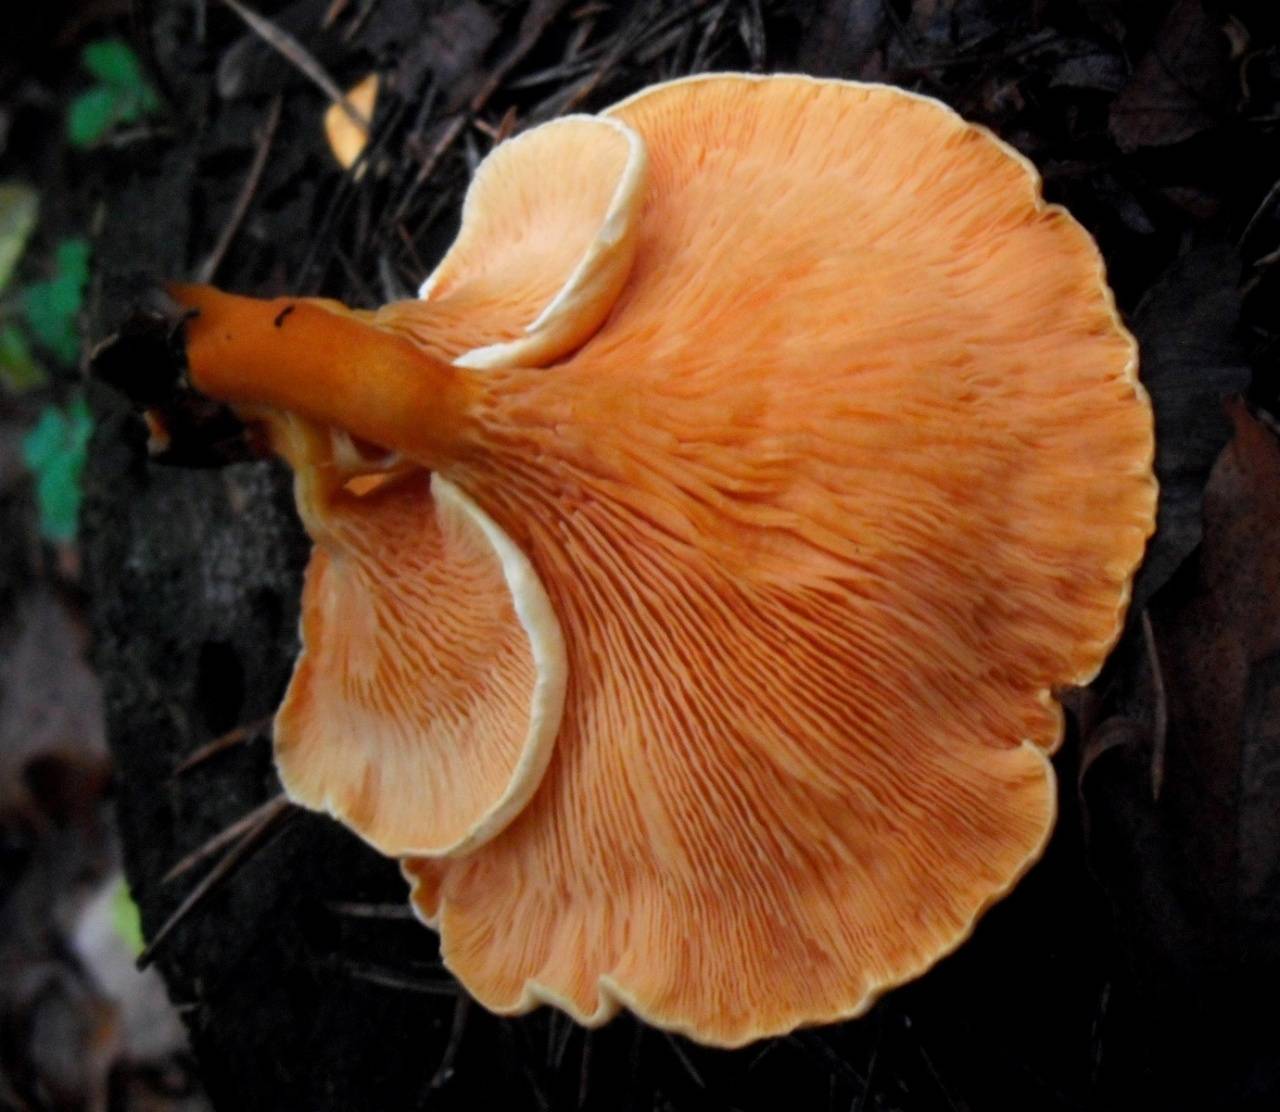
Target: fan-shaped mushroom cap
x,y
852,474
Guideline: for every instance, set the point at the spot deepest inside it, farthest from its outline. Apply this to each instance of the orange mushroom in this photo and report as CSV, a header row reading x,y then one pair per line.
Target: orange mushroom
x,y
696,560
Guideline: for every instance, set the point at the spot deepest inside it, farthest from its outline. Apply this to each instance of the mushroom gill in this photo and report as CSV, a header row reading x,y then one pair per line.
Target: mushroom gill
x,y
832,468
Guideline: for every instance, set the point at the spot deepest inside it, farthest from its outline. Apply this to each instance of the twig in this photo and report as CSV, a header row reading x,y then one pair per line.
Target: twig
x,y
415,259
635,1059
461,1013
1095,1034
816,1046
751,30
584,1070
589,83
516,1046
145,23
362,17
356,910
1160,728
536,22
354,278
334,10
1273,194
628,38
247,191
937,1078
867,1092
502,130
224,741
703,54
559,73
351,189
655,38
223,838
562,1045
448,137
300,57
683,1058
240,852
389,978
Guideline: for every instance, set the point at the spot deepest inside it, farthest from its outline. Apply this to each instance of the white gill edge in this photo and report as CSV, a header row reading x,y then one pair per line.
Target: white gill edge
x,y
546,641
619,217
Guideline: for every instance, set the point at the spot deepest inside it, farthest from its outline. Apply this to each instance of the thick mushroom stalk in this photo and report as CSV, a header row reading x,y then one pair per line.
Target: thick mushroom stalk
x,y
696,560
319,360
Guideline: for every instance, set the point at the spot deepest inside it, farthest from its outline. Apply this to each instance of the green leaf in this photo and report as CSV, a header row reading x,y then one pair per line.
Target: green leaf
x,y
53,306
122,95
55,451
51,309
19,207
92,115
113,62
71,257
126,918
19,370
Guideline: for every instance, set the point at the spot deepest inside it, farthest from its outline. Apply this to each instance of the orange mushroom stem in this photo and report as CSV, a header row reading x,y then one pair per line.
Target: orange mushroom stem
x,y
319,360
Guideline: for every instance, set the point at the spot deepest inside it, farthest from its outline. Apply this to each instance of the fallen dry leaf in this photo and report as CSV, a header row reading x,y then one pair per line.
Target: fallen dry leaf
x,y
1188,334
50,705
1194,874
1220,650
1180,87
844,38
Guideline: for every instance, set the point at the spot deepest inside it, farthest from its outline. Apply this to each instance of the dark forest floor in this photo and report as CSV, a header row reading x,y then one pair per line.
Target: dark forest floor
x,y
1136,966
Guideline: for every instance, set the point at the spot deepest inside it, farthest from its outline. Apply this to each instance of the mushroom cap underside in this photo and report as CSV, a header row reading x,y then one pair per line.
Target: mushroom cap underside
x,y
548,235
852,474
424,706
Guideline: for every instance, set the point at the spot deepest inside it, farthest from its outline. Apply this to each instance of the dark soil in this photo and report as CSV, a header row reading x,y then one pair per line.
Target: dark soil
x,y
1136,966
